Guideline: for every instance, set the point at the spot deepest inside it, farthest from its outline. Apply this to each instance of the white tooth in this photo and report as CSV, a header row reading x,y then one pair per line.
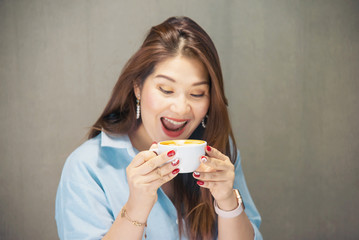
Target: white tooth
x,y
174,122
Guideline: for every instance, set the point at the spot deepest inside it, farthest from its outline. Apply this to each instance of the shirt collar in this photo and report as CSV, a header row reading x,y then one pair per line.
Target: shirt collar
x,y
119,141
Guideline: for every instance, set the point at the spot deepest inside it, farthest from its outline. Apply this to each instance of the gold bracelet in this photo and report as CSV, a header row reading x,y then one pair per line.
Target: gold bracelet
x,y
125,215
138,224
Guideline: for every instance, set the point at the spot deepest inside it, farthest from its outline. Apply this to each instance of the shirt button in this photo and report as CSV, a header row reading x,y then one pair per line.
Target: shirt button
x,y
177,221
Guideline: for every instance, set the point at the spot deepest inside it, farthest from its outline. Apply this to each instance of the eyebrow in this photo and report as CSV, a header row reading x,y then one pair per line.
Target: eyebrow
x,y
172,80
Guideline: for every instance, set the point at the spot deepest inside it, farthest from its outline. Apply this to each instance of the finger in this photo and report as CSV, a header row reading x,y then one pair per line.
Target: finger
x,y
209,185
155,162
221,189
168,167
152,176
212,152
165,178
141,158
215,163
153,147
163,170
213,176
213,185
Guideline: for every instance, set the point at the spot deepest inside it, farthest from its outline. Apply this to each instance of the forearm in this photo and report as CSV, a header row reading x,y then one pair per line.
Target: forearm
x,y
129,225
122,229
238,227
235,228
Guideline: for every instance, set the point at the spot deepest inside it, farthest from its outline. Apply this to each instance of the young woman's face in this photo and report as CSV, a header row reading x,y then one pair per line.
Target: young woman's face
x,y
174,99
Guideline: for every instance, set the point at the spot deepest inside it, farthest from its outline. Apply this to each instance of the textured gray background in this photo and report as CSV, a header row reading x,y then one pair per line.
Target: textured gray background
x,y
291,71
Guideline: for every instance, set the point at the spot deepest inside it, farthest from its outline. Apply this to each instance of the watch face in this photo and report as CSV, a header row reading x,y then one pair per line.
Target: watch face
x,y
239,197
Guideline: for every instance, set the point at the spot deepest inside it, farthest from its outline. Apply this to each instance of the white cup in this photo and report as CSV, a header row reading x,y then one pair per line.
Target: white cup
x,y
188,152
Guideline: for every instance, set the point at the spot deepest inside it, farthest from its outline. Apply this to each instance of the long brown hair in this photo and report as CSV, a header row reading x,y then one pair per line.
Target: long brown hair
x,y
176,36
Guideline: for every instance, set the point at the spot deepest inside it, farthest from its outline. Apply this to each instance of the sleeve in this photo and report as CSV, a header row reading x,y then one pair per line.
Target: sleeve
x,y
82,209
250,208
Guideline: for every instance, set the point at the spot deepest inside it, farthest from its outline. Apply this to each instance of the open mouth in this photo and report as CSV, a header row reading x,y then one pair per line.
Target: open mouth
x,y
172,125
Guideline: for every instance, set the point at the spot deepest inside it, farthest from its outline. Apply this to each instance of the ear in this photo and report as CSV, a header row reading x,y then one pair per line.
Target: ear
x,y
137,91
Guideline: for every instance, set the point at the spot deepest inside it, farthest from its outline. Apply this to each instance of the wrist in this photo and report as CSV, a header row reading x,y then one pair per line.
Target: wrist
x,y
138,210
228,203
233,212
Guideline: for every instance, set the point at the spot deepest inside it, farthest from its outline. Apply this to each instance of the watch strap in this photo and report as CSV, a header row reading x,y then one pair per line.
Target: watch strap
x,y
233,213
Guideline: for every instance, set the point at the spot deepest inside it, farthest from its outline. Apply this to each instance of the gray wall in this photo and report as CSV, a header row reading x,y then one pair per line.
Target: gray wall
x,y
291,71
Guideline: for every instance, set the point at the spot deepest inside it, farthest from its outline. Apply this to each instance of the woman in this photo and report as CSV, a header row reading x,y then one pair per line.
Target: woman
x,y
115,187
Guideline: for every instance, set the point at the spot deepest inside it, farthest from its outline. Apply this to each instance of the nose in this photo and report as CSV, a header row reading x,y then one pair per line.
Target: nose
x,y
180,105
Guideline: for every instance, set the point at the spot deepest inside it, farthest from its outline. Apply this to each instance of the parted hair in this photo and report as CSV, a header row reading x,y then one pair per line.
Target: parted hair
x,y
176,36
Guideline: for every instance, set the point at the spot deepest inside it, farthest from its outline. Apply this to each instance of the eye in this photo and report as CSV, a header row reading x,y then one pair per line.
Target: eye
x,y
197,95
165,91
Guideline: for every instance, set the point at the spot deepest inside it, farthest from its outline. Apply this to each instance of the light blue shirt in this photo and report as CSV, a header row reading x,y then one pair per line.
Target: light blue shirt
x,y
93,189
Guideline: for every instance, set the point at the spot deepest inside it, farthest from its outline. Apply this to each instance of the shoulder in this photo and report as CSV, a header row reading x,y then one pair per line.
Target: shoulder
x,y
87,151
95,155
82,159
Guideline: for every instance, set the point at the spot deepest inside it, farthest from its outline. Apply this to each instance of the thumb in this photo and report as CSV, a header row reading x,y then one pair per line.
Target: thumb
x,y
154,147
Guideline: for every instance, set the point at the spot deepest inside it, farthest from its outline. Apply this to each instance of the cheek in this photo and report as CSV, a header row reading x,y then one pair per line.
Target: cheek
x,y
151,102
202,109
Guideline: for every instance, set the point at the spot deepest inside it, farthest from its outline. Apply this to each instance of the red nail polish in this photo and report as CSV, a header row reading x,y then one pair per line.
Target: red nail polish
x,y
154,143
200,183
175,162
196,174
171,153
204,159
209,148
174,172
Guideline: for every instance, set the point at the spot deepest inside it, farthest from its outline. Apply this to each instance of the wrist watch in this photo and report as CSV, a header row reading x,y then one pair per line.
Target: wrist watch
x,y
233,213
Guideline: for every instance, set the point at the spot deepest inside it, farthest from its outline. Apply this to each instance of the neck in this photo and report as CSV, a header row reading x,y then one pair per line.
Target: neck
x,y
140,139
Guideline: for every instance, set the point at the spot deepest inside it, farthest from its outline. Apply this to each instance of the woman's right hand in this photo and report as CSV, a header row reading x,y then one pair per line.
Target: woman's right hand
x,y
145,174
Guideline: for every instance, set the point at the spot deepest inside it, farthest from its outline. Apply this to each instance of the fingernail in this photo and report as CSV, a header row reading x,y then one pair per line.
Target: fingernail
x,y
175,162
174,172
171,153
204,159
154,143
196,174
209,148
200,183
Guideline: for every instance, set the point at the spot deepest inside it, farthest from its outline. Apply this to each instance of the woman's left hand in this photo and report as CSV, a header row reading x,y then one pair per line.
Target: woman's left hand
x,y
217,174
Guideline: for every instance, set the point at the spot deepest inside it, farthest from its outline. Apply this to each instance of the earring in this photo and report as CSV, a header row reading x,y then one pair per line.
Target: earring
x,y
203,123
138,109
